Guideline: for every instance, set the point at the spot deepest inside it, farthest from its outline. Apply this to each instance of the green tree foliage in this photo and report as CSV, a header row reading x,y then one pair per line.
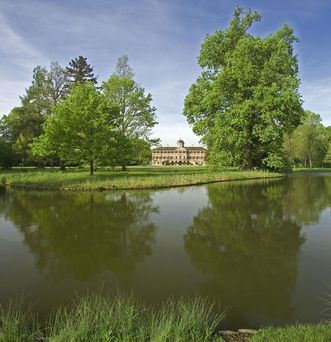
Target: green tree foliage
x,y
121,120
328,131
79,71
57,81
246,97
327,159
24,123
78,130
6,154
133,113
308,144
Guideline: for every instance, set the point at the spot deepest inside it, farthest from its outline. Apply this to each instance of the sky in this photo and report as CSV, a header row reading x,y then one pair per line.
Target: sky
x,y
162,39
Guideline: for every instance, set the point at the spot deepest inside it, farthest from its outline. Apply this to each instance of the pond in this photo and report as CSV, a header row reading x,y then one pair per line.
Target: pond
x,y
260,248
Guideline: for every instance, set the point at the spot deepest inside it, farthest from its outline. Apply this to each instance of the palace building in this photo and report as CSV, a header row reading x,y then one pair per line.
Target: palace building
x,y
179,155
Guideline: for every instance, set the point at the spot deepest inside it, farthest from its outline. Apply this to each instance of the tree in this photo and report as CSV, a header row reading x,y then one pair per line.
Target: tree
x,y
327,159
311,140
57,81
246,97
24,123
6,154
328,131
78,130
134,116
79,71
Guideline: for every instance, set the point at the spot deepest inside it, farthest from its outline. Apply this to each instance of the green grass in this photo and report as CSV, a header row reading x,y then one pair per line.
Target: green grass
x,y
114,318
314,169
133,178
122,317
296,333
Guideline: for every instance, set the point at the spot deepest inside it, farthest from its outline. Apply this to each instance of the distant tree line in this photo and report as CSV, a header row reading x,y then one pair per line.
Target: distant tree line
x,y
309,145
66,118
246,105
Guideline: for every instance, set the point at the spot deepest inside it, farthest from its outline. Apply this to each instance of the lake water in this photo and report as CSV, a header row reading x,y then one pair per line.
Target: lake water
x,y
260,248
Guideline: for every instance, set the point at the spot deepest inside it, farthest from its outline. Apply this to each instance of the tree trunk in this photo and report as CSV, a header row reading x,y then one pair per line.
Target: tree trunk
x,y
123,167
62,166
249,147
310,161
91,168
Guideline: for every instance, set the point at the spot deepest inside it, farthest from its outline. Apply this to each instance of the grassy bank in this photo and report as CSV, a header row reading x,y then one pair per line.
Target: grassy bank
x,y
118,318
133,178
314,169
124,318
295,333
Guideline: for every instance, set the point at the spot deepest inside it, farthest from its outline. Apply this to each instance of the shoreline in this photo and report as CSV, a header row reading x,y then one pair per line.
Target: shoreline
x,y
243,176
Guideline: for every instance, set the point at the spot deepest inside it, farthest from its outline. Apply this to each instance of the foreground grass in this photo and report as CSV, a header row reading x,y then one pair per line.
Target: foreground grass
x,y
124,318
119,318
134,178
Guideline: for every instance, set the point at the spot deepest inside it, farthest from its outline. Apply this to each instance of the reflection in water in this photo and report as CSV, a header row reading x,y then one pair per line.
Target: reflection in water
x,y
246,242
261,248
306,198
83,234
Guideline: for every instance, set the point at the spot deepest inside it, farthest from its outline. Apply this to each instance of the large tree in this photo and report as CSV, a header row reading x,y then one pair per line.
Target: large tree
x,y
247,96
78,130
133,113
79,71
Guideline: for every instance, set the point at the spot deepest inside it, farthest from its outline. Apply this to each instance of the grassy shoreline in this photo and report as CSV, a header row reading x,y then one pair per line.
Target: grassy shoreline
x,y
133,179
122,317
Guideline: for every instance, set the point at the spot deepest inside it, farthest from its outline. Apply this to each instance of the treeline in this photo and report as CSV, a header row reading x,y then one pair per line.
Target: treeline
x,y
67,118
309,145
246,104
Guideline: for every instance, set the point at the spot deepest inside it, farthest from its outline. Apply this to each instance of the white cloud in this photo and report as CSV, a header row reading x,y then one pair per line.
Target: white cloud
x,y
317,98
14,50
9,94
18,59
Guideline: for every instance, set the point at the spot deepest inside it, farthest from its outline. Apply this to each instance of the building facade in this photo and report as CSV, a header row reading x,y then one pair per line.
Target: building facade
x,y
179,155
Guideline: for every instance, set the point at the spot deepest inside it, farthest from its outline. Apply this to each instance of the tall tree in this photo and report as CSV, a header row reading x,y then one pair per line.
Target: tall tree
x,y
246,97
132,111
78,130
79,71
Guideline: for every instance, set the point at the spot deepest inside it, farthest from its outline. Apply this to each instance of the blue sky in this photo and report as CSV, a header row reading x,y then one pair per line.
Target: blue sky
x,y
162,39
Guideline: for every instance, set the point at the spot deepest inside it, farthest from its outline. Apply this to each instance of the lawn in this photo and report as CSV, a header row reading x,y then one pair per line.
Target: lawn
x,y
134,178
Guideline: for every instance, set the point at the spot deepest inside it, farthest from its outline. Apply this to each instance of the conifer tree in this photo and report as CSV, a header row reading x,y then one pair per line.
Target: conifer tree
x,y
79,71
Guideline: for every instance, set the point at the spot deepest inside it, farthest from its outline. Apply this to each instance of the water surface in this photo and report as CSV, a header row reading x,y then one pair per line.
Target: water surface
x,y
260,248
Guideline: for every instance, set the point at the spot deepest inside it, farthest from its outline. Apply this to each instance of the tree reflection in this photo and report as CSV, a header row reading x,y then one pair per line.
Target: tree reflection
x,y
83,234
246,242
306,198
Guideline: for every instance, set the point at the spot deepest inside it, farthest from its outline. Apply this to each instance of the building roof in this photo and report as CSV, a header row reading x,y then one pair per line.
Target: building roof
x,y
190,148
